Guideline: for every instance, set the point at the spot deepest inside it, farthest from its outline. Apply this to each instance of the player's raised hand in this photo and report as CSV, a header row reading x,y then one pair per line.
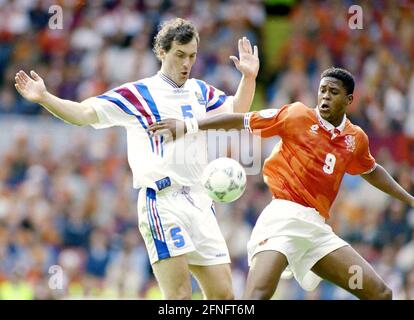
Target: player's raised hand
x,y
248,62
31,88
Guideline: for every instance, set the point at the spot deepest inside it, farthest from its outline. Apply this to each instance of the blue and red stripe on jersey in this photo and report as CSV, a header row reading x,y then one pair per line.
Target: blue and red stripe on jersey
x,y
142,106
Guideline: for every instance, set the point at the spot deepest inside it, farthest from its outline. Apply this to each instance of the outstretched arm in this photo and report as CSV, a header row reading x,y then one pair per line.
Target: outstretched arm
x,y
175,128
248,65
33,89
224,121
382,180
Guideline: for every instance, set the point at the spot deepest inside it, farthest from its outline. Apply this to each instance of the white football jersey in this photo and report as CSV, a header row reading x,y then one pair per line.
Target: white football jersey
x,y
155,162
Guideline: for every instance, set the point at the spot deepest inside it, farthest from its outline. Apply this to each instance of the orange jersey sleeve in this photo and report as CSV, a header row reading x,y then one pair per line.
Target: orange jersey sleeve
x,y
363,161
268,122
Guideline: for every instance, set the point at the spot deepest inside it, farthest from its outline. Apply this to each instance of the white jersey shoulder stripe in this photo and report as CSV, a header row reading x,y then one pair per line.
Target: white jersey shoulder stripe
x,y
213,98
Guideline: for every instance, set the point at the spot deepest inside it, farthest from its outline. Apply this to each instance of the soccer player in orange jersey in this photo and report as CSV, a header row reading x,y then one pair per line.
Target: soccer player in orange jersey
x,y
304,172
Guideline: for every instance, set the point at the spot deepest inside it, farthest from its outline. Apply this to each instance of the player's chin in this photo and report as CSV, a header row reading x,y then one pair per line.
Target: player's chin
x,y
184,75
325,113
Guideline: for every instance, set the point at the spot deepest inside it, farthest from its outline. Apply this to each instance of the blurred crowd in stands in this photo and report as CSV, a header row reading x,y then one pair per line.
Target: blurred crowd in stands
x,y
68,221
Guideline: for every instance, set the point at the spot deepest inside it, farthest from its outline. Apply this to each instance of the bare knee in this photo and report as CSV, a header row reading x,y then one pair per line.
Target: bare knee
x,y
223,292
181,293
259,293
223,295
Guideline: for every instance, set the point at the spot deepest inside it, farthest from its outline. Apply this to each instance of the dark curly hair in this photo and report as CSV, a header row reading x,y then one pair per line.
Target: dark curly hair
x,y
341,74
180,30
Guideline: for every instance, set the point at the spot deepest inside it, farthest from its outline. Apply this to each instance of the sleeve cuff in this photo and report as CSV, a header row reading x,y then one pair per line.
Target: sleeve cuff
x,y
246,121
370,170
101,123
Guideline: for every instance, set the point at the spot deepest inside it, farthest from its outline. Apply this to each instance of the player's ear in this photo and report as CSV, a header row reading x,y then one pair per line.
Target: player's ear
x,y
162,54
350,98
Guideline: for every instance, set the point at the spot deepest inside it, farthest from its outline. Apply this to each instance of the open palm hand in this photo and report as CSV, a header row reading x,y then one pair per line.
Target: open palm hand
x,y
31,88
248,62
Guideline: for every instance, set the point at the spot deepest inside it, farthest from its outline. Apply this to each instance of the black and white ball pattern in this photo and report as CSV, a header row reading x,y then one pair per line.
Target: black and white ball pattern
x,y
224,179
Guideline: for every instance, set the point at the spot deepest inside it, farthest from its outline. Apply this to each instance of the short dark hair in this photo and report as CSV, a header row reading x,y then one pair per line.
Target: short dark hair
x,y
180,30
341,74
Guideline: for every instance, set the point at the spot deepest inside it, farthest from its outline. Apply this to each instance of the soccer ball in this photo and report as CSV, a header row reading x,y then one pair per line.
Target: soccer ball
x,y
224,179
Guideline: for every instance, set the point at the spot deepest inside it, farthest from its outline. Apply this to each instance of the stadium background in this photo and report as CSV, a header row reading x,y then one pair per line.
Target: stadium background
x,y
65,192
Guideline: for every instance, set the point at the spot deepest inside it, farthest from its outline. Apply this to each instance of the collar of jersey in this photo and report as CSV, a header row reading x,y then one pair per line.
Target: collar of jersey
x,y
169,81
329,126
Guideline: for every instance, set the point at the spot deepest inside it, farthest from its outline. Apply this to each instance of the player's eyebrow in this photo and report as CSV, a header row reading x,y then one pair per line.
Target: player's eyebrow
x,y
330,86
181,51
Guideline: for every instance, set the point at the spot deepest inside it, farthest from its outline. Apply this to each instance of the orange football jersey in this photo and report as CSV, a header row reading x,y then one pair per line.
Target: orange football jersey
x,y
308,164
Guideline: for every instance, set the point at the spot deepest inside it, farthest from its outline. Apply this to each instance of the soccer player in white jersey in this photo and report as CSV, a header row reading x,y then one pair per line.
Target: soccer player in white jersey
x,y
176,218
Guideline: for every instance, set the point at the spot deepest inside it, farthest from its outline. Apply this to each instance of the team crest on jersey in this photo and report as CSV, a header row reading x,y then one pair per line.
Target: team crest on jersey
x,y
314,129
200,98
350,143
268,113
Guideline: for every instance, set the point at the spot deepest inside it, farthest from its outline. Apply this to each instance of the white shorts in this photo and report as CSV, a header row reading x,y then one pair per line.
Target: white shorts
x,y
298,232
181,220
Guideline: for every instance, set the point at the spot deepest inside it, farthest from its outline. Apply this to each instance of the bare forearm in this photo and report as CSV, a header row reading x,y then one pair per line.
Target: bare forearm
x,y
224,121
382,180
244,95
69,111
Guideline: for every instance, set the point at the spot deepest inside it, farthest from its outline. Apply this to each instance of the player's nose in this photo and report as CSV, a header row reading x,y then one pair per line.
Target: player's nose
x,y
326,96
187,62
